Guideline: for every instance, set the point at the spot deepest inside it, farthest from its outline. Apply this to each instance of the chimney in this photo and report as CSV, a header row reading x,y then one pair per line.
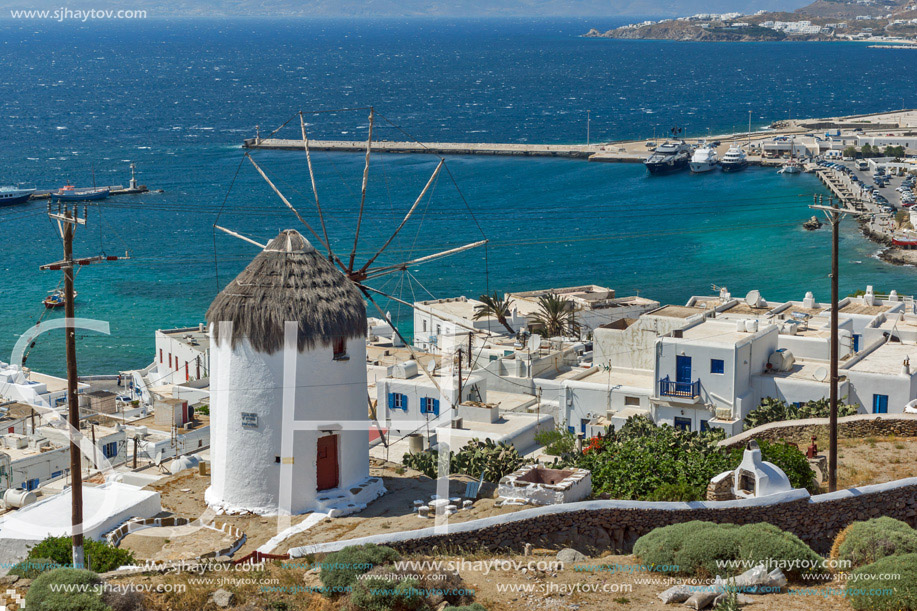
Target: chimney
x,y
809,301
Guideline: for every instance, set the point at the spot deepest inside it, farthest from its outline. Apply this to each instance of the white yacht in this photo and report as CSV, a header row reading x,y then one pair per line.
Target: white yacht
x,y
791,167
704,159
734,159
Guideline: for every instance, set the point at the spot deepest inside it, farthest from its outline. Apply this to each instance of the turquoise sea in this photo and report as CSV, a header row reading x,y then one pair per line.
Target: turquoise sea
x,y
177,97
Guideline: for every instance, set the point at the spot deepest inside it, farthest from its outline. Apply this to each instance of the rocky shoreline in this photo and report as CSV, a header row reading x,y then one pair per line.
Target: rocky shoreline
x,y
665,31
890,253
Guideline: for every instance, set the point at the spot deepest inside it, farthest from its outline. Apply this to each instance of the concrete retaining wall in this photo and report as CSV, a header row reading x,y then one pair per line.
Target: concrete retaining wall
x,y
616,525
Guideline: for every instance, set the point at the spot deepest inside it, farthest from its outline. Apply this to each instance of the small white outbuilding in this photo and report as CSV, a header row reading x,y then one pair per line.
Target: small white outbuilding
x,y
288,415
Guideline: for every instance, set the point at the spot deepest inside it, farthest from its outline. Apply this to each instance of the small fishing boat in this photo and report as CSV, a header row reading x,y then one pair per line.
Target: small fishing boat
x,y
56,299
906,239
790,167
14,195
69,193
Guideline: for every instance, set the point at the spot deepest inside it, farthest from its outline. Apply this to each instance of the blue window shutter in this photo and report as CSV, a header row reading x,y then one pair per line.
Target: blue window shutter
x,y
404,402
436,406
391,400
572,429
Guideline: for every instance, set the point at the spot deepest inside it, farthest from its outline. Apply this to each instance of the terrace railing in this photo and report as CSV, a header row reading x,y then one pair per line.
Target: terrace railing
x,y
686,390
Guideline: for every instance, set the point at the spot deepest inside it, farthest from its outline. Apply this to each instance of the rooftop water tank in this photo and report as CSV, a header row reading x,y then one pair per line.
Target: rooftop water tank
x,y
405,370
17,497
183,462
781,360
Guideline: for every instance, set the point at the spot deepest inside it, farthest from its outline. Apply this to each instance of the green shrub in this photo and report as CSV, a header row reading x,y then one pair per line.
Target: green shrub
x,y
341,569
863,543
100,556
471,607
775,410
385,594
557,442
494,460
42,598
679,491
693,549
32,568
633,462
896,574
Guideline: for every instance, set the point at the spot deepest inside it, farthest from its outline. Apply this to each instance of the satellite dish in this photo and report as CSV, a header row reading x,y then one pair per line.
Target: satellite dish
x,y
753,298
534,342
820,374
431,365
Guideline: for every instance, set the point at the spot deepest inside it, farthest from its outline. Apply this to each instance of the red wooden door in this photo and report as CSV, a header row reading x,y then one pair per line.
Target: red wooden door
x,y
327,463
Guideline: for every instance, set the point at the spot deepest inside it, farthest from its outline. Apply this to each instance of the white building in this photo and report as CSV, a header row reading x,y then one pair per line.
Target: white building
x,y
30,461
289,413
592,305
430,318
182,355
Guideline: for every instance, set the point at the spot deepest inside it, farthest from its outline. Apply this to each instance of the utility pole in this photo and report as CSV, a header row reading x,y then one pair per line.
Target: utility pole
x,y
835,214
470,350
459,377
67,221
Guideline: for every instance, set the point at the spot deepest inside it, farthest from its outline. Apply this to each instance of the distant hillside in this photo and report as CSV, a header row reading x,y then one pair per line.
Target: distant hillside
x,y
410,8
820,20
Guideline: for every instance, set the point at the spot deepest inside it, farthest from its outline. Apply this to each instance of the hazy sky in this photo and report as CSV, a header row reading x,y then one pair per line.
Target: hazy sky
x,y
390,8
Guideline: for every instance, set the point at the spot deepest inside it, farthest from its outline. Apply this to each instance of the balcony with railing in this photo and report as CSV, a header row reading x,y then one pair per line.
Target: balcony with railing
x,y
684,390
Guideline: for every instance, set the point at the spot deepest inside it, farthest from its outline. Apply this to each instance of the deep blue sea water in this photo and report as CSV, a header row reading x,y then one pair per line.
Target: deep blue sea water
x,y
177,97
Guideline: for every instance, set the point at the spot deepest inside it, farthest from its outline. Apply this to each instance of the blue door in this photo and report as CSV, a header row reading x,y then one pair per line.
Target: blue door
x,y
880,404
683,424
683,369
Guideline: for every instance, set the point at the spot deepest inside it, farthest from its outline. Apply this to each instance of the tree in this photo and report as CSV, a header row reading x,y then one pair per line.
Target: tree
x,y
894,151
851,151
556,315
867,150
494,306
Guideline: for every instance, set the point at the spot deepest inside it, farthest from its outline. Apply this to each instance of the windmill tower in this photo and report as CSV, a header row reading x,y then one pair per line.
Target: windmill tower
x,y
288,367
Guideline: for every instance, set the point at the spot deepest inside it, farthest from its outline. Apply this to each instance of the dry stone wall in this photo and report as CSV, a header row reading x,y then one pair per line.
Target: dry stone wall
x,y
616,525
800,432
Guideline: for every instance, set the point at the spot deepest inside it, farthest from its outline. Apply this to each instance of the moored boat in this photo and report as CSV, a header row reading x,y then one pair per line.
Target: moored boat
x,y
56,299
69,193
791,167
669,157
734,160
704,159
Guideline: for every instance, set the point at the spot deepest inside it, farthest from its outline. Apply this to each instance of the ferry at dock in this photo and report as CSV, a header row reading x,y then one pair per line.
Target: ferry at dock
x,y
10,196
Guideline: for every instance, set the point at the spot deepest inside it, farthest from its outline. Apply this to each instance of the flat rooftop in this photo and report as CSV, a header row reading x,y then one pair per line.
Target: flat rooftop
x,y
192,336
718,332
854,308
20,453
634,378
12,412
744,309
462,308
887,359
676,311
797,306
386,356
200,421
808,371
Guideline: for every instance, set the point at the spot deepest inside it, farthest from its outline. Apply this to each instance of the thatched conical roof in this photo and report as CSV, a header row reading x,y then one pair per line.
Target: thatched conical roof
x,y
289,281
